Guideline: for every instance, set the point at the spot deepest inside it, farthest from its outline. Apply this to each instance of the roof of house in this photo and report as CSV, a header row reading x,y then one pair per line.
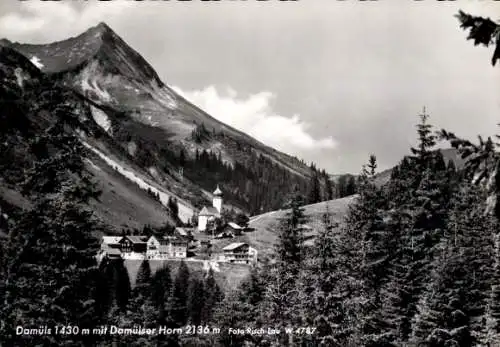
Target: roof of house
x,y
111,239
175,240
136,239
234,245
182,231
234,225
208,211
161,241
217,191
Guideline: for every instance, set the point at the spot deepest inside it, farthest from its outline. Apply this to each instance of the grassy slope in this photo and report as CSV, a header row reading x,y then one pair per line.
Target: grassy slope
x,y
264,236
123,203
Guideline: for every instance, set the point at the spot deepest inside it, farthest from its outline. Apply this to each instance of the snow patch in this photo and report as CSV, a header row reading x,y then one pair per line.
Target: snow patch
x,y
162,96
94,165
37,62
101,119
185,212
18,72
154,173
131,148
89,83
491,202
81,133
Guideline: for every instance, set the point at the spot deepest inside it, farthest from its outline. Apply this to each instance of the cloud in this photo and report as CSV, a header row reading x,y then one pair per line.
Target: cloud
x,y
255,116
48,21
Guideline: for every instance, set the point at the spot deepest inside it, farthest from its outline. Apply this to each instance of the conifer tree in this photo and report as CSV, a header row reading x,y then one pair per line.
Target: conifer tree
x,y
424,212
327,306
50,271
284,273
483,31
113,288
195,303
212,296
143,279
180,293
458,292
426,141
315,193
365,220
491,330
350,188
161,284
328,188
123,286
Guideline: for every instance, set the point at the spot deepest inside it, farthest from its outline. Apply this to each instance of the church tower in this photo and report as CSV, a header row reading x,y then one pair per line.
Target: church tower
x,y
217,202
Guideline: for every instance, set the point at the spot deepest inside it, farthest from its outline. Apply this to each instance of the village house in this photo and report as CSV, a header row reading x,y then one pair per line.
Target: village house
x,y
141,247
239,252
133,247
157,248
166,248
233,228
110,248
108,242
178,247
210,213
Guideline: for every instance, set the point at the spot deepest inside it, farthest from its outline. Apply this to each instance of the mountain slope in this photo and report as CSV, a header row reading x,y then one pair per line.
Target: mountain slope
x,y
156,131
265,234
30,104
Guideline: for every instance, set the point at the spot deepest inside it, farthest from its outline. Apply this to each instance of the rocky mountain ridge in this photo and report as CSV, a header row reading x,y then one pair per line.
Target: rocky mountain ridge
x,y
147,135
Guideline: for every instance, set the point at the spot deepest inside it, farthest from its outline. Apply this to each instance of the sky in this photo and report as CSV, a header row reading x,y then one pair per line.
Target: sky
x,y
328,81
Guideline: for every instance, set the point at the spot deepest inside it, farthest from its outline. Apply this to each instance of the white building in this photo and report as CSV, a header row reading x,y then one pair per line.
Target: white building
x,y
210,213
239,252
166,248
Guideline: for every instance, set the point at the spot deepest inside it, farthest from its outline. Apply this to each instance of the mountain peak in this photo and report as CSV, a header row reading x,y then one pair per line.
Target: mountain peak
x,y
103,26
5,42
97,45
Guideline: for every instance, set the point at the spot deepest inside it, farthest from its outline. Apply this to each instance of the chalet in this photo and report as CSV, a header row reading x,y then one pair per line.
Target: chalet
x,y
233,228
133,244
178,247
157,248
210,213
237,252
166,248
110,242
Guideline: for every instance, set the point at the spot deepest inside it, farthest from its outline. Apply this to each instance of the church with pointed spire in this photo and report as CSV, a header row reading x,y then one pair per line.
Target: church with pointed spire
x,y
210,213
